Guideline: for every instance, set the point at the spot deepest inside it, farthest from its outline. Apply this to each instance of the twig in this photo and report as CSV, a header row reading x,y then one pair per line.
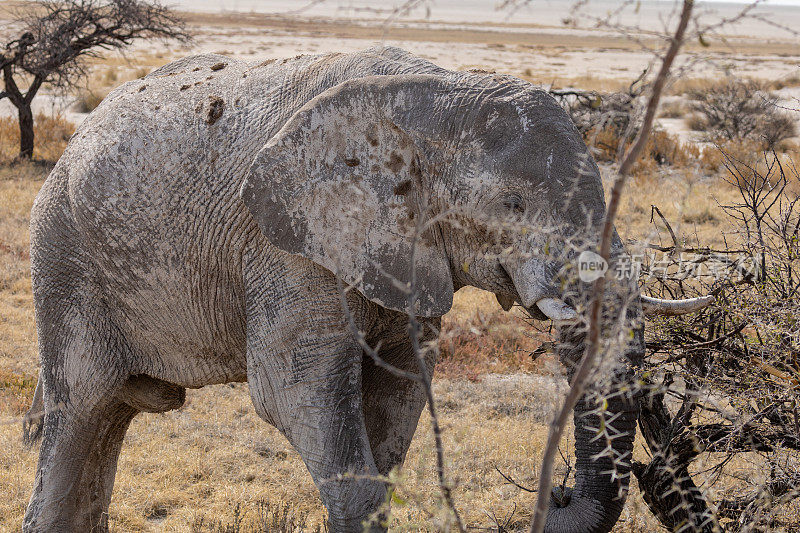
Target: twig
x,y
593,337
415,331
511,481
654,208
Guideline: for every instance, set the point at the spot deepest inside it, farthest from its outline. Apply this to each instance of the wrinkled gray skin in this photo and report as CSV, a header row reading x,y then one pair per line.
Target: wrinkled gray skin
x,y
189,234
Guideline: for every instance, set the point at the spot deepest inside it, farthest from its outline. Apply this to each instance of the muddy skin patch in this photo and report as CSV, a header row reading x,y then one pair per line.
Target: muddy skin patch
x,y
395,162
372,138
216,106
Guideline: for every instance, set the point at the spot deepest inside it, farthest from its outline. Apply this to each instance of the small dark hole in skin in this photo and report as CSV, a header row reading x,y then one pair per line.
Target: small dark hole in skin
x,y
402,188
354,162
515,206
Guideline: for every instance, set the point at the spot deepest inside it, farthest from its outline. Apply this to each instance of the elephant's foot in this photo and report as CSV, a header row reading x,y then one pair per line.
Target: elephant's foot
x,y
356,525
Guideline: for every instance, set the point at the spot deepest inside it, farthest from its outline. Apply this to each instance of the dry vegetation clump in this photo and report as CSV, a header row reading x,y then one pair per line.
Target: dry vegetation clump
x,y
52,132
792,80
721,419
675,108
265,517
608,127
87,101
593,111
662,151
739,118
481,338
16,391
740,110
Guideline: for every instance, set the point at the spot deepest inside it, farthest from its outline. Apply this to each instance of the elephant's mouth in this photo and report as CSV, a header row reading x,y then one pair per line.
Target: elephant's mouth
x,y
544,308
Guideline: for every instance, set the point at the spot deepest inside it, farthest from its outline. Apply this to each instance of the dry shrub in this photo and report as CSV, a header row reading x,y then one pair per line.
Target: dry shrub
x,y
673,109
662,149
792,80
697,122
592,111
720,418
110,76
52,133
87,101
714,155
778,127
740,109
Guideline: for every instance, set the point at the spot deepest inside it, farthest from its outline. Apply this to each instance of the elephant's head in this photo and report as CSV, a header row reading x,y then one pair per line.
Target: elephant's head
x,y
475,180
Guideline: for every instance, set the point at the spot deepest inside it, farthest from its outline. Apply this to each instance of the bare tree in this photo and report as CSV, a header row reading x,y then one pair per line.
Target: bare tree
x,y
57,36
724,381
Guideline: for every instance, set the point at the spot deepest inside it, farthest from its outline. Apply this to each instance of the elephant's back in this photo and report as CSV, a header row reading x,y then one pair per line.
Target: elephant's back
x,y
161,160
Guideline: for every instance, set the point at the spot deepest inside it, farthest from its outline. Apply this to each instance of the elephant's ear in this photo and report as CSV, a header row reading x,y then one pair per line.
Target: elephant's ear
x,y
344,184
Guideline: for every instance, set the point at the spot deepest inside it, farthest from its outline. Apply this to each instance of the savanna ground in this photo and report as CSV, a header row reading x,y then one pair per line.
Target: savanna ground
x,y
213,464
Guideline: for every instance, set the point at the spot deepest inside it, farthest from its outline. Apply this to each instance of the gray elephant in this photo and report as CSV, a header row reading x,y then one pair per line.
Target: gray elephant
x,y
196,228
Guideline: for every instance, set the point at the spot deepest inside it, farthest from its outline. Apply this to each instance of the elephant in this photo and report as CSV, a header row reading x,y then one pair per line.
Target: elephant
x,y
203,221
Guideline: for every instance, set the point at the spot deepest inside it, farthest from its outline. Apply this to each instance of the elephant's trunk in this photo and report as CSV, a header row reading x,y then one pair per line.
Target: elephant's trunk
x,y
601,476
603,447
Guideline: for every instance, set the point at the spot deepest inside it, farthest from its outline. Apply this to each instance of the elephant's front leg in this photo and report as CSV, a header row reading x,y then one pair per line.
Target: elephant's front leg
x,y
393,404
304,375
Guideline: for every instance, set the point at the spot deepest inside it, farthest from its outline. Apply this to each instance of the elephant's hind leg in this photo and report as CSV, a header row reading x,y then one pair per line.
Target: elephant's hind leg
x,y
88,408
77,461
97,478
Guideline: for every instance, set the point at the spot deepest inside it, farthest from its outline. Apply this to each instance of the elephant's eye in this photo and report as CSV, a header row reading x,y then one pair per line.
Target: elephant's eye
x,y
514,204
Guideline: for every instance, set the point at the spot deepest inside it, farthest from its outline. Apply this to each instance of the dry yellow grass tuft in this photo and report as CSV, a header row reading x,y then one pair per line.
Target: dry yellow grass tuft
x,y
88,101
52,132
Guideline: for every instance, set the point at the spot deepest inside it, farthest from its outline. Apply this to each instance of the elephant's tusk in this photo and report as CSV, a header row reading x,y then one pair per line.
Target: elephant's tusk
x,y
657,306
557,311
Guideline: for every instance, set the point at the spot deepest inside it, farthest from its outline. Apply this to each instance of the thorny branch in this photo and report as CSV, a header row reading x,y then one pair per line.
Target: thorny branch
x,y
593,337
733,370
415,332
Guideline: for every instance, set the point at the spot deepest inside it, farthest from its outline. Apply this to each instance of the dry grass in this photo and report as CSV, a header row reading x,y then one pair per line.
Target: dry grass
x,y
51,133
585,82
478,338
